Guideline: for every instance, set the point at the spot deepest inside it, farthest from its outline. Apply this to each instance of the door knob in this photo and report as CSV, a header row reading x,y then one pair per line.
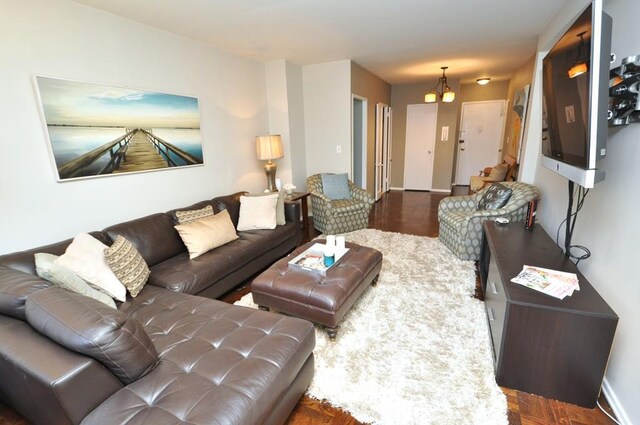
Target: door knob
x,y
429,152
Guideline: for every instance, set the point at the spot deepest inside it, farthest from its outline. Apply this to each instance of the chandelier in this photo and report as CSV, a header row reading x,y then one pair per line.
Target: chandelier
x,y
445,93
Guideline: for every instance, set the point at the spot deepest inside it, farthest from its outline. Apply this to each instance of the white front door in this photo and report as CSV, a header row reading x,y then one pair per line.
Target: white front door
x,y
419,149
480,141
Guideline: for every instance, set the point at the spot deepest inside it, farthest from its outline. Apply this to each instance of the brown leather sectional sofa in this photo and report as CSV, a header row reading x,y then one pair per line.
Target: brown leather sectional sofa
x,y
164,357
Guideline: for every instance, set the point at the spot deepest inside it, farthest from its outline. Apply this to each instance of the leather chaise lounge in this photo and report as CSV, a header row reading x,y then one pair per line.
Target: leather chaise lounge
x,y
165,356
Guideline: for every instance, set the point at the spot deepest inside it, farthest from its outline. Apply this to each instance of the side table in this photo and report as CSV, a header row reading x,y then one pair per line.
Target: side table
x,y
302,197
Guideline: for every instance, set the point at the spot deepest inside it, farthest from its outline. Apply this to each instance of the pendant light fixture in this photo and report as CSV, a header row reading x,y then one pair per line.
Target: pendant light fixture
x,y
441,90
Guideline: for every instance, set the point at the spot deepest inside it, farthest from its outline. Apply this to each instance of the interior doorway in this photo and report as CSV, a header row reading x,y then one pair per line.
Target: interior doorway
x,y
383,149
480,141
420,144
359,141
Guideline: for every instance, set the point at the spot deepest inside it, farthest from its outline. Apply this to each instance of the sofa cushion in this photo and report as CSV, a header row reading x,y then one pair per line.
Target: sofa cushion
x,y
60,276
15,286
85,257
127,264
258,212
89,327
193,276
207,233
218,363
153,236
230,203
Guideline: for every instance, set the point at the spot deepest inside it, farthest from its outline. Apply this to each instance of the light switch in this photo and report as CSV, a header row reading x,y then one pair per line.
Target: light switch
x,y
445,133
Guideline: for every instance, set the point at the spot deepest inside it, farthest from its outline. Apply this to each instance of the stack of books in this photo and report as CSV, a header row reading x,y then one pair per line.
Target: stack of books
x,y
551,282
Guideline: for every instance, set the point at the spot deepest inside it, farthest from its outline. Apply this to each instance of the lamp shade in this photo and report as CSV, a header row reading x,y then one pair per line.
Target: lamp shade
x,y
269,147
448,96
577,69
430,97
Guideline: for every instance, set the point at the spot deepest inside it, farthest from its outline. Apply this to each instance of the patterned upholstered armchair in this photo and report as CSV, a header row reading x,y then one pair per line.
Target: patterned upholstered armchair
x,y
461,224
342,215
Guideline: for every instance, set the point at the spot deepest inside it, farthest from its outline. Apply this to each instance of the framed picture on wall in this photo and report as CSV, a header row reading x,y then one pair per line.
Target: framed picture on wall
x,y
520,100
98,130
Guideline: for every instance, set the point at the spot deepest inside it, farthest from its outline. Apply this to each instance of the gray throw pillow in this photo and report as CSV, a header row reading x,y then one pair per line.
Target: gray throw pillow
x,y
58,275
335,186
496,196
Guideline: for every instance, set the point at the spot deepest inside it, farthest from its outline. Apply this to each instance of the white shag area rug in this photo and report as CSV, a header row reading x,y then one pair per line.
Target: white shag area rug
x,y
415,349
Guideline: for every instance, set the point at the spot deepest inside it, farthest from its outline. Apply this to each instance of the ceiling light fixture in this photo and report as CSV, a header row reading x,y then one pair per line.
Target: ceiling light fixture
x,y
580,66
445,93
483,81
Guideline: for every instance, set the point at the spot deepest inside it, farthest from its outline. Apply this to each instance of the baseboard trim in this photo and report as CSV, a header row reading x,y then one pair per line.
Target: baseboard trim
x,y
615,404
431,190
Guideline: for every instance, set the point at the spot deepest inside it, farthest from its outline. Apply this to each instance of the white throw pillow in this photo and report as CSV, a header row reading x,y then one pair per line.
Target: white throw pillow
x,y
85,257
48,269
257,212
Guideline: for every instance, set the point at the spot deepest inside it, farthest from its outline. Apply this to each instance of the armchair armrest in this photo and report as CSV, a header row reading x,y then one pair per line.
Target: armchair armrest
x,y
360,194
457,203
321,199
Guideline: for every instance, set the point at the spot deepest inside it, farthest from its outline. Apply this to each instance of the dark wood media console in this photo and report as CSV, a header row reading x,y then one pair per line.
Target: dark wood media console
x,y
554,348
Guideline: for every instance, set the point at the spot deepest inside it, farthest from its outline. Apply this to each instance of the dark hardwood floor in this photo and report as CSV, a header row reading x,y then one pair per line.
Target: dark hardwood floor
x,y
414,213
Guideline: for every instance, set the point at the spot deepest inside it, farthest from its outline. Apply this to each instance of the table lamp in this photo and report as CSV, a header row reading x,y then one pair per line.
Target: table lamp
x,y
267,148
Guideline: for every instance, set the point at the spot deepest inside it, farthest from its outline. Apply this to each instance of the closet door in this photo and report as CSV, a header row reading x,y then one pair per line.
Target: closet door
x,y
419,145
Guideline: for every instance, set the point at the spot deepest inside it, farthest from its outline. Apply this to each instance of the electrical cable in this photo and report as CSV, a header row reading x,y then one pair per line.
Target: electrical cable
x,y
607,413
570,221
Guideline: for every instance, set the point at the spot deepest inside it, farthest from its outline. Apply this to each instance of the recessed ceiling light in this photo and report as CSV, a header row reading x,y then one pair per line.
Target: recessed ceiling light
x,y
483,81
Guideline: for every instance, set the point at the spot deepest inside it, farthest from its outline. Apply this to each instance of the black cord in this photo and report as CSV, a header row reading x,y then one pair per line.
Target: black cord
x,y
580,194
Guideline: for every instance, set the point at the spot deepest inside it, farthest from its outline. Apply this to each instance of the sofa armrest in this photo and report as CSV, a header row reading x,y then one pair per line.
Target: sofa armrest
x,y
44,381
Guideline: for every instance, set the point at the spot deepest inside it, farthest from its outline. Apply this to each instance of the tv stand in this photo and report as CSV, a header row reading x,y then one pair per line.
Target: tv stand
x,y
542,345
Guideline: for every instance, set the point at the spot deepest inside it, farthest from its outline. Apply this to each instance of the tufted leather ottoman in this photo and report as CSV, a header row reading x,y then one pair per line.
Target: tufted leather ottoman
x,y
312,296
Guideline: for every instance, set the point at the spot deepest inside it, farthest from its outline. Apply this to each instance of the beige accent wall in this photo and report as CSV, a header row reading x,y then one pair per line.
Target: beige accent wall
x,y
411,94
520,78
375,90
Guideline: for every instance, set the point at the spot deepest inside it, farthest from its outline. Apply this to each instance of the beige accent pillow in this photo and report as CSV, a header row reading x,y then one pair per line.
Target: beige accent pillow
x,y
207,233
85,257
188,216
127,264
498,173
58,275
258,212
280,217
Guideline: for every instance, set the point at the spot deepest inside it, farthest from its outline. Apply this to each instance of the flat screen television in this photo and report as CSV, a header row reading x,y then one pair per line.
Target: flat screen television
x,y
575,90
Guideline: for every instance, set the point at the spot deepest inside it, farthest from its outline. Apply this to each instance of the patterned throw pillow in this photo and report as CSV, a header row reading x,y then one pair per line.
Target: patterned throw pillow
x,y
496,196
127,264
188,216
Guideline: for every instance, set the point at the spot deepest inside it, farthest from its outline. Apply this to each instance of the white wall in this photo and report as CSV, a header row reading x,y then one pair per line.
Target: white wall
x,y
286,117
327,116
62,39
607,224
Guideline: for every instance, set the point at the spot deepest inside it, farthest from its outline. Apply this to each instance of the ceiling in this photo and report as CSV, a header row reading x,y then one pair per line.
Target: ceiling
x,y
401,41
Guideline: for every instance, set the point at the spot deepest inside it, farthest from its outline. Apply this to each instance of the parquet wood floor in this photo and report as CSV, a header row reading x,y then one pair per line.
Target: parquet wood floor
x,y
414,213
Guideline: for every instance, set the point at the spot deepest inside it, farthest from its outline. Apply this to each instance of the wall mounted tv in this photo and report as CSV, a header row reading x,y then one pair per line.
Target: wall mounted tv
x,y
575,89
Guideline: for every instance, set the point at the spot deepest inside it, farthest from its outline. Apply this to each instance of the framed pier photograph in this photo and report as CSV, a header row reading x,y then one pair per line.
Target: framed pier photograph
x,y
97,130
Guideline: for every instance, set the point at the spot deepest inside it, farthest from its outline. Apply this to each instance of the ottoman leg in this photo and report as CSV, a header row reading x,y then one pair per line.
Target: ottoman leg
x,y
263,307
374,282
332,332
